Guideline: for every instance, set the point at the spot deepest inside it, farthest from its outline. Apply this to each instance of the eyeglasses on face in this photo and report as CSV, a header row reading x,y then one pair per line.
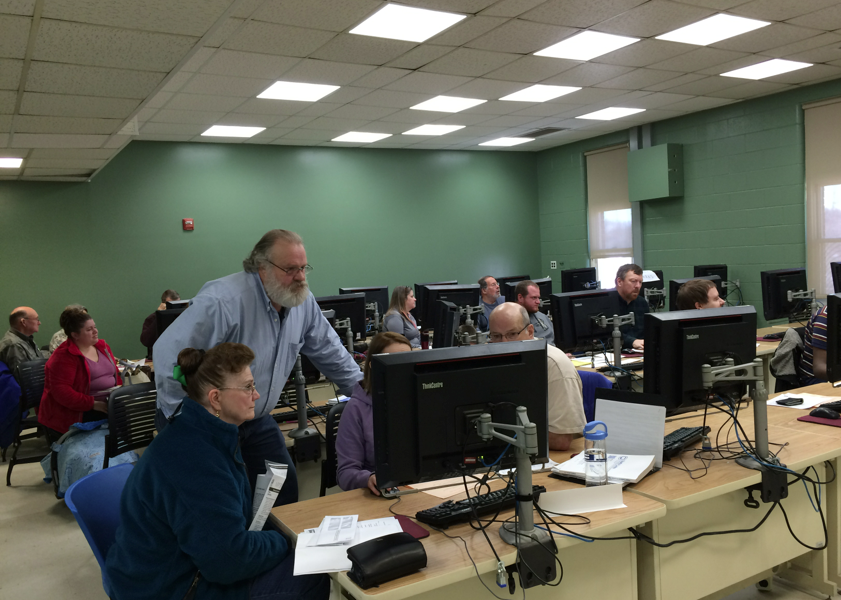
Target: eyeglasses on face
x,y
508,337
251,388
292,270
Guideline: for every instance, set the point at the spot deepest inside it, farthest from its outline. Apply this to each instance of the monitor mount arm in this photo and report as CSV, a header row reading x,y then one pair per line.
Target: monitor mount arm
x,y
345,324
756,381
536,544
653,293
375,308
593,285
617,321
465,339
805,295
301,404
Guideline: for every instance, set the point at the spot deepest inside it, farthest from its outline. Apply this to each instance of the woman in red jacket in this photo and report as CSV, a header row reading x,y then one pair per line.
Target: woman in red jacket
x,y
78,376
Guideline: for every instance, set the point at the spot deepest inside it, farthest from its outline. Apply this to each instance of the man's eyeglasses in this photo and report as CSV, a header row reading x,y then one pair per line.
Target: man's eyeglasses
x,y
508,337
248,388
292,270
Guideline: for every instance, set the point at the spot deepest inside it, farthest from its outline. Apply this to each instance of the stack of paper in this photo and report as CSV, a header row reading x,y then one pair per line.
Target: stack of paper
x,y
265,492
311,558
621,468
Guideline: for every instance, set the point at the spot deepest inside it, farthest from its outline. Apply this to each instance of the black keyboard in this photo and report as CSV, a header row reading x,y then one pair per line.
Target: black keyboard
x,y
450,512
292,415
836,406
637,366
774,336
676,441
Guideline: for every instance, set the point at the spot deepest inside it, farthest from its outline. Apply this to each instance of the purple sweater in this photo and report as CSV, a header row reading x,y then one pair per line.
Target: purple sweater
x,y
355,442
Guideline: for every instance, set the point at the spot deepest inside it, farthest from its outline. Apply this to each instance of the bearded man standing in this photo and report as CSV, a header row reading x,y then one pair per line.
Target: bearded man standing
x,y
269,308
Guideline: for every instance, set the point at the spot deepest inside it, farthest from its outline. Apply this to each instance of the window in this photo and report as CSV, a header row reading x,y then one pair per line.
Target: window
x,y
823,193
609,212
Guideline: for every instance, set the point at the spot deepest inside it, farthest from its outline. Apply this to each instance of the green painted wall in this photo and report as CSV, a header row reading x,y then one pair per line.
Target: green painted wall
x,y
368,217
744,192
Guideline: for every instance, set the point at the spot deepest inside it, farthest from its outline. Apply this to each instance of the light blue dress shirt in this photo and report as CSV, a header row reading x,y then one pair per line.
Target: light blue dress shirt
x,y
236,309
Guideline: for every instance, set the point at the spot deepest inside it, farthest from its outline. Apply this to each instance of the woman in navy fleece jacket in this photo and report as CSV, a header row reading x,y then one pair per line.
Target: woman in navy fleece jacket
x,y
186,507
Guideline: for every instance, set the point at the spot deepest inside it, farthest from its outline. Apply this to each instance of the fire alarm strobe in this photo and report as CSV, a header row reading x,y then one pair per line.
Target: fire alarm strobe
x,y
187,224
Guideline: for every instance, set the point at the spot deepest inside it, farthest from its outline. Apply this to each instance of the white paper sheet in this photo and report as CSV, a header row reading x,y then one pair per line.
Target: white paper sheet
x,y
599,360
809,400
621,468
582,500
337,530
633,428
538,468
649,276
310,559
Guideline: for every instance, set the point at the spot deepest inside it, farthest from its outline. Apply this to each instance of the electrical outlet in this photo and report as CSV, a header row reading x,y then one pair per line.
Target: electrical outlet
x,y
553,264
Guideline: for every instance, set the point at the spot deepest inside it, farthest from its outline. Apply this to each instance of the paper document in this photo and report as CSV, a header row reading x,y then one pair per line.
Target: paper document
x,y
649,276
599,360
538,468
265,492
809,400
311,559
621,468
633,428
583,500
442,488
337,530
339,398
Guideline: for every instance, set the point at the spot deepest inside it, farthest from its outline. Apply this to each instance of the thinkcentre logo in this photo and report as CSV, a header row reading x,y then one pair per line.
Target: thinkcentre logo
x,y
432,386
692,336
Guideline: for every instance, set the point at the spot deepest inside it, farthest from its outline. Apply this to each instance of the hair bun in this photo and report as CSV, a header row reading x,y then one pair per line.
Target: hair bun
x,y
190,359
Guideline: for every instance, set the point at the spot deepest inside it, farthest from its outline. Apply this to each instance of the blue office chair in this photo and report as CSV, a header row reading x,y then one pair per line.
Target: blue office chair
x,y
591,381
95,502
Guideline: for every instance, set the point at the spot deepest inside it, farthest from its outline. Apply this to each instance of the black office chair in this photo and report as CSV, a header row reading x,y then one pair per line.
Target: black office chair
x,y
329,465
30,375
131,419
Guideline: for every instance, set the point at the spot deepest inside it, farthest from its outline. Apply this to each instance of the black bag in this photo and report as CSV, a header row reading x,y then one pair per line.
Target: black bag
x,y
383,559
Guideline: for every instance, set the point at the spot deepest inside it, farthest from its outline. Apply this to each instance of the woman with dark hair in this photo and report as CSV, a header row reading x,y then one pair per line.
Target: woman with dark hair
x,y
398,318
78,377
355,440
187,506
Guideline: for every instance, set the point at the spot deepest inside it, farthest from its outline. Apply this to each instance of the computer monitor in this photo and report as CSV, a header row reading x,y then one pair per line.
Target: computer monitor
x,y
420,299
425,403
678,343
510,279
461,295
165,318
833,337
674,286
579,280
572,316
375,295
775,287
445,321
544,284
835,268
655,302
177,303
705,270
348,306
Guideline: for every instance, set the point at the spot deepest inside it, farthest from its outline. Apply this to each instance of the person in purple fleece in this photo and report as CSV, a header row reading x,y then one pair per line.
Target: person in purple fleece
x,y
355,440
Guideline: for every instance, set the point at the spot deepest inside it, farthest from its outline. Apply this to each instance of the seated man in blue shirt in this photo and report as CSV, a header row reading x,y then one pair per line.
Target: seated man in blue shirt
x,y
489,288
270,309
628,286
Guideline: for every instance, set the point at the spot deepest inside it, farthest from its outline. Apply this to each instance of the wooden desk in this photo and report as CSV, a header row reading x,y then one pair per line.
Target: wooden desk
x,y
449,566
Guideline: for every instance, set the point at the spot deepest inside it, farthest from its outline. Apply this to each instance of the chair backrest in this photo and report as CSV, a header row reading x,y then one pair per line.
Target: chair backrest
x,y
131,419
328,467
95,502
590,381
30,375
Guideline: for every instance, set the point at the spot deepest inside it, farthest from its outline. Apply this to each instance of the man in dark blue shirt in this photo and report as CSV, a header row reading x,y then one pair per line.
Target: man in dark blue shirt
x,y
628,286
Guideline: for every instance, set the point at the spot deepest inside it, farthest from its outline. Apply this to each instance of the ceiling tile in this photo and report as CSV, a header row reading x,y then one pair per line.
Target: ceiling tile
x,y
80,44
730,65
818,55
173,128
470,63
390,99
29,172
720,4
15,36
90,81
346,93
221,33
588,74
815,72
827,19
419,56
545,109
456,6
72,154
779,10
7,102
295,121
766,38
41,140
659,99
117,141
511,8
338,124
415,117
268,135
699,103
638,79
248,64
682,79
77,106
644,53
362,49
203,102
427,83
201,117
811,43
466,30
245,8
753,88
188,17
356,111
5,123
533,69
707,86
317,109
313,135
317,14
261,106
269,38
10,71
326,72
198,59
202,83
521,37
487,89
145,114
24,8
696,60
176,81
250,120
381,76
654,18
492,107
461,118
579,13
509,121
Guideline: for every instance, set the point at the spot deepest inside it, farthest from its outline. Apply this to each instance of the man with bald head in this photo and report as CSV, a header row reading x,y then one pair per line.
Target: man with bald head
x,y
18,345
510,322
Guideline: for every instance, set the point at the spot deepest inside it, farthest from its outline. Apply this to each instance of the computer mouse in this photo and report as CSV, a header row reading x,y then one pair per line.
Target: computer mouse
x,y
825,413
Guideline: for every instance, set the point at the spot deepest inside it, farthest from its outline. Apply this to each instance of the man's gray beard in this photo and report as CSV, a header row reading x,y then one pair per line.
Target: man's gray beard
x,y
287,296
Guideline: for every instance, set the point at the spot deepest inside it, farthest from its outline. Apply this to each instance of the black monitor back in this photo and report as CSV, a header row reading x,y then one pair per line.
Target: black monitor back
x,y
656,302
445,321
177,303
461,295
510,279
833,337
165,318
379,295
835,268
578,280
421,292
424,404
348,306
674,286
678,343
704,270
775,285
544,284
572,312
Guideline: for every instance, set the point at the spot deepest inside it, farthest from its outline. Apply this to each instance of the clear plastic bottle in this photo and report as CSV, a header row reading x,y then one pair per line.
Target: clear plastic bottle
x,y
595,454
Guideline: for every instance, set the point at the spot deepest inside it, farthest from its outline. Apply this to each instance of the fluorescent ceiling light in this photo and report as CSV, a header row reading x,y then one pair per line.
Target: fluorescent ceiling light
x,y
303,92
233,131
398,22
10,163
451,104
361,137
608,114
433,130
506,141
587,45
541,93
714,29
769,68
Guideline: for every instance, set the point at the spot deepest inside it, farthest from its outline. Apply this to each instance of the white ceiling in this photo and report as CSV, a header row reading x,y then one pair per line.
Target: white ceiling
x,y
77,75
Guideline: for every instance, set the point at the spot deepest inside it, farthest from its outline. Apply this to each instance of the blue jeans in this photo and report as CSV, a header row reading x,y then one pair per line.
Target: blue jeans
x,y
280,584
260,440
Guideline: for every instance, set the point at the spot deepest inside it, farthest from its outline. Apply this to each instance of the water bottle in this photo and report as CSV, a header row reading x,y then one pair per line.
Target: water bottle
x,y
595,454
